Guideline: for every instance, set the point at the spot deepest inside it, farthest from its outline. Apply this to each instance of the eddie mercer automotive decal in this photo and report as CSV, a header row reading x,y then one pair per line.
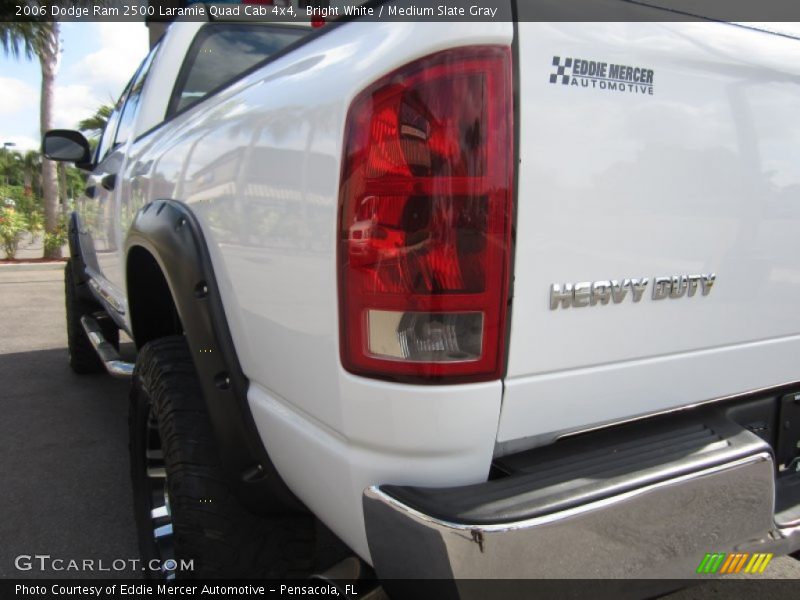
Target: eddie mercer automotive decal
x,y
578,72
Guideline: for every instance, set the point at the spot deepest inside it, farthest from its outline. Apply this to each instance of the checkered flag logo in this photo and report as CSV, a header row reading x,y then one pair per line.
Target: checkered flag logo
x,y
561,70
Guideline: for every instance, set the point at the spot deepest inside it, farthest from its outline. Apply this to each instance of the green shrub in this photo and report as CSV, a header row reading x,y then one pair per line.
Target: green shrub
x,y
12,227
53,242
26,204
12,192
35,222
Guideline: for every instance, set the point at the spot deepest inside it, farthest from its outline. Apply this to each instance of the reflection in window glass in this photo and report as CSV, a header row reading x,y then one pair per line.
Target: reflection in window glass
x,y
226,51
125,128
107,139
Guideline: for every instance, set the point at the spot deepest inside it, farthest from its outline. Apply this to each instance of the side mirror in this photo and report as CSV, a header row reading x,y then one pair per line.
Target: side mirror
x,y
65,145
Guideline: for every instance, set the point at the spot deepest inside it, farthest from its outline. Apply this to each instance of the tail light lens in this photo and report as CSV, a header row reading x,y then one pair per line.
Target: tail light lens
x,y
425,220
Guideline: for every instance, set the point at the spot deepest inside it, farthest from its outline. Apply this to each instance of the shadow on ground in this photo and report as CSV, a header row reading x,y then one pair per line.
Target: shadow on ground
x,y
64,468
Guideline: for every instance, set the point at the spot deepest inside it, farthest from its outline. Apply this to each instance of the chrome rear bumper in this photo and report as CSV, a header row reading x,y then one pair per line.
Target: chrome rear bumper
x,y
660,529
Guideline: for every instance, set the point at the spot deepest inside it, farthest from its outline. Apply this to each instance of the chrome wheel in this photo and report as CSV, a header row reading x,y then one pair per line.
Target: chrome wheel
x,y
160,512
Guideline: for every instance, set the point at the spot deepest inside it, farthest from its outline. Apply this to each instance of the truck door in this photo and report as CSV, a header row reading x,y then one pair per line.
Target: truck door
x,y
99,210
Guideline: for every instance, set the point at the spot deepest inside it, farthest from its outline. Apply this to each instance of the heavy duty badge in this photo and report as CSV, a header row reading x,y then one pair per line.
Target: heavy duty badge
x,y
590,293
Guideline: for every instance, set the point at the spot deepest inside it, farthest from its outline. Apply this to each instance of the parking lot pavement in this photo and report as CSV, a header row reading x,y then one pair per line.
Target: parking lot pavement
x,y
63,438
64,465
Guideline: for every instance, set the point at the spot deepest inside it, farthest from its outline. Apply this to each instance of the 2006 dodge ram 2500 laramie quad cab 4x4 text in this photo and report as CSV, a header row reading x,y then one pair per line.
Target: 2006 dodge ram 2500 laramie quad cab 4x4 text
x,y
474,297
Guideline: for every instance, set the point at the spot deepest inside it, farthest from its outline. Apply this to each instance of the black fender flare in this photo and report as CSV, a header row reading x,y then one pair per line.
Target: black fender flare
x,y
81,258
171,233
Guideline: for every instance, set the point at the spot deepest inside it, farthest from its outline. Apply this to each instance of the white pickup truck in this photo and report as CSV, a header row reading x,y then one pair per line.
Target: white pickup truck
x,y
476,298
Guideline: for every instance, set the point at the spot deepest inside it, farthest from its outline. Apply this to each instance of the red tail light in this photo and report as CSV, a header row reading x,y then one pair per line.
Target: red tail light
x,y
425,220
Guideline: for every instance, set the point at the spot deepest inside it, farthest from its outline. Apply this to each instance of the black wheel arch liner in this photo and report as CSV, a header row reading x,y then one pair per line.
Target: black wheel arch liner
x,y
171,233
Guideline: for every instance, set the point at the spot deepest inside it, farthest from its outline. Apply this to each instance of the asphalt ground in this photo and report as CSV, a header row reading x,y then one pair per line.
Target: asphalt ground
x,y
63,438
64,484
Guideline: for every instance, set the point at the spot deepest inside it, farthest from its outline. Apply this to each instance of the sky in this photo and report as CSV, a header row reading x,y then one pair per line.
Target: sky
x,y
97,61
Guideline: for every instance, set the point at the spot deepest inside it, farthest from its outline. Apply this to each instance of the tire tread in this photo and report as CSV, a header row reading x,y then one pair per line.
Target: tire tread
x,y
210,525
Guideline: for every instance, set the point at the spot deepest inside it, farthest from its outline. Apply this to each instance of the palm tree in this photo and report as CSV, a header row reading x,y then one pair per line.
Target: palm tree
x,y
10,167
31,163
93,126
40,39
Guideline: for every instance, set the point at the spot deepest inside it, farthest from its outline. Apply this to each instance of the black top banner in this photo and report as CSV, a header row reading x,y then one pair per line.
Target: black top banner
x,y
319,11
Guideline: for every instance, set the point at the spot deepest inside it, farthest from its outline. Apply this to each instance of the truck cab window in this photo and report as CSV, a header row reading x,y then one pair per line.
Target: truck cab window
x,y
128,114
120,122
222,52
107,139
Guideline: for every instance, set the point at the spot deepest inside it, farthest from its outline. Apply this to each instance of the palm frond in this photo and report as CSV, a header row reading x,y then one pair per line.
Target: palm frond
x,y
20,38
95,124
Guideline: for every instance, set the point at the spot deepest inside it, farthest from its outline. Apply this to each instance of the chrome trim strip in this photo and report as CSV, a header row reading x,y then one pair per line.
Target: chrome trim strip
x,y
120,369
105,351
106,296
786,532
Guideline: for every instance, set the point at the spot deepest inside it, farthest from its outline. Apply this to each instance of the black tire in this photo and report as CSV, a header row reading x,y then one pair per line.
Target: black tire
x,y
82,357
210,526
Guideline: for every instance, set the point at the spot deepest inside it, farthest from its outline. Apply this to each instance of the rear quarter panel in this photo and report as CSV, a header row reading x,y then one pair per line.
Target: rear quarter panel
x,y
259,164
